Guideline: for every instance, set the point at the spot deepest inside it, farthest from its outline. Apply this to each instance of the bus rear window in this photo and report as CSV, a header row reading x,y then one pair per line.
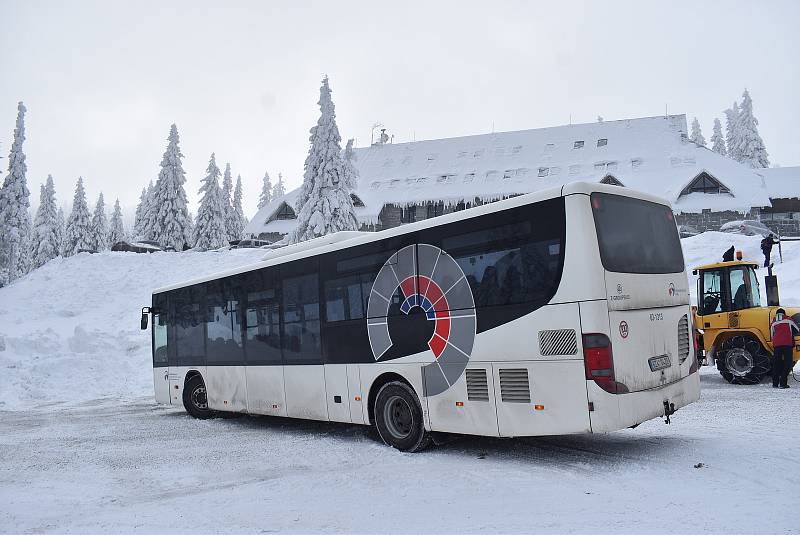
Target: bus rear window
x,y
636,236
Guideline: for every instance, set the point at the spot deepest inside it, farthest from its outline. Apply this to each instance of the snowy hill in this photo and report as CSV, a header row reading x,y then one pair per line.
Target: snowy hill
x,y
71,328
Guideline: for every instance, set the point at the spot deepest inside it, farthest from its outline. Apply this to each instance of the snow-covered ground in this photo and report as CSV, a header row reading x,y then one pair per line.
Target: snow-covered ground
x,y
83,448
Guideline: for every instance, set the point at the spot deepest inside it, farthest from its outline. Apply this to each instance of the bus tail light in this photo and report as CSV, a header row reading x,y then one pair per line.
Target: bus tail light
x,y
599,362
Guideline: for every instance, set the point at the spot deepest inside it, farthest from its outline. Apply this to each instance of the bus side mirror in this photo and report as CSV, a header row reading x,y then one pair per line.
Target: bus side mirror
x,y
145,315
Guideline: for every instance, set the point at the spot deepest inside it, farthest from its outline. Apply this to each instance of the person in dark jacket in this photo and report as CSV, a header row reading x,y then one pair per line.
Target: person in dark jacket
x,y
728,255
783,330
766,247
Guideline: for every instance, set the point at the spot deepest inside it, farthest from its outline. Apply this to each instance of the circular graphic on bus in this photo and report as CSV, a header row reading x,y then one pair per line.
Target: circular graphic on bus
x,y
430,282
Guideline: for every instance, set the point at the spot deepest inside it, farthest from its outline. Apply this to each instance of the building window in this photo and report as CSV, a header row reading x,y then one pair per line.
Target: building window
x,y
285,212
602,142
636,163
544,171
705,183
577,145
408,214
435,209
469,177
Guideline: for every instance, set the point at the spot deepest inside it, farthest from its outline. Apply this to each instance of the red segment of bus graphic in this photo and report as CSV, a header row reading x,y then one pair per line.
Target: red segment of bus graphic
x,y
425,293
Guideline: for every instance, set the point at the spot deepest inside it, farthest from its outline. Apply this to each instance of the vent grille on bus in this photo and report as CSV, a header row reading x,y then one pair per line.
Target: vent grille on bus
x,y
514,386
683,338
558,342
477,385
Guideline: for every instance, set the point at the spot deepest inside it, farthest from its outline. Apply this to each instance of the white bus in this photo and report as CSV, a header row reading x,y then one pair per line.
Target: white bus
x,y
561,311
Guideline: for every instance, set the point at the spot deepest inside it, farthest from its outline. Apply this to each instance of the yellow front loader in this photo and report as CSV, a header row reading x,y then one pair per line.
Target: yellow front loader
x,y
731,327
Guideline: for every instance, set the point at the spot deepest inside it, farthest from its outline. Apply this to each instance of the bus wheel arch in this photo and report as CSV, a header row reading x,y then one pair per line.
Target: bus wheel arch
x,y
377,384
742,358
398,417
195,398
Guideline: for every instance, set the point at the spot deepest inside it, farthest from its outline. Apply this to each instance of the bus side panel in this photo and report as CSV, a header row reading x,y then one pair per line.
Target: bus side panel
x,y
265,390
337,392
452,411
226,388
305,391
161,384
358,398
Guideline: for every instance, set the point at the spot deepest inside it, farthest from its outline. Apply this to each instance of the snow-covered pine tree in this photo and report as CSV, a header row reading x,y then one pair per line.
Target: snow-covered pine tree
x,y
717,140
45,242
697,134
240,221
731,131
141,208
350,171
61,230
231,223
324,204
750,149
15,221
99,237
116,229
78,234
209,228
169,216
280,189
266,192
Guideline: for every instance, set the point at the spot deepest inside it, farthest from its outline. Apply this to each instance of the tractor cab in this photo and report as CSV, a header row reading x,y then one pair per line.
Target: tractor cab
x,y
727,287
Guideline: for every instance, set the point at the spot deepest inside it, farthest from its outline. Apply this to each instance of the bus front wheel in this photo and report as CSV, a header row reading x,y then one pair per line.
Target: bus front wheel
x,y
398,418
195,399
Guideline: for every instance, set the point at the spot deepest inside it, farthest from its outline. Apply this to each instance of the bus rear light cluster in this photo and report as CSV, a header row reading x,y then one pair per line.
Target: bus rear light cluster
x,y
599,362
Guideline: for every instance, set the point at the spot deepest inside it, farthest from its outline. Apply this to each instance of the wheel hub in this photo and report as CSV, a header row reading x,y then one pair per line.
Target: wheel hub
x,y
199,398
398,417
739,362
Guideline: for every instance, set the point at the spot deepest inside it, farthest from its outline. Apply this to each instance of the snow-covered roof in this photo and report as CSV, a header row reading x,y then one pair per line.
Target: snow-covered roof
x,y
650,154
782,182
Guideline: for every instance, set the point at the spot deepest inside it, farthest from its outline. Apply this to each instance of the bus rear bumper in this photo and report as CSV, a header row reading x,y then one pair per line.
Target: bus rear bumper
x,y
612,412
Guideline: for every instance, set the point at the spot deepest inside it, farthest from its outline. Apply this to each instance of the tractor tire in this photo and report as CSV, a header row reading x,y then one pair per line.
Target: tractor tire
x,y
742,360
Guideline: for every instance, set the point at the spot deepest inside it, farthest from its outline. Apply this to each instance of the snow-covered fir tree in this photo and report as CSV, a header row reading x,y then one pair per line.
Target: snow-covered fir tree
x,y
240,221
731,131
717,140
324,204
209,229
266,192
15,221
697,134
231,223
350,171
141,209
168,219
750,149
148,213
116,229
45,242
280,189
61,229
78,234
99,236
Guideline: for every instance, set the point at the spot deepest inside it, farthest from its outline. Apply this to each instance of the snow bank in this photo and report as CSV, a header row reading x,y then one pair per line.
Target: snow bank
x,y
69,331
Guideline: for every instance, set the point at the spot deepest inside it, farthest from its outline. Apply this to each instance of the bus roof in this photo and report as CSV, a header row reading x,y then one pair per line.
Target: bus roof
x,y
342,240
726,264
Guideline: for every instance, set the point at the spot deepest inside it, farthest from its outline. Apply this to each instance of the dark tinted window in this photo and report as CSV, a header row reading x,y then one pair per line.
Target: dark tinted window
x,y
189,320
262,317
301,333
636,236
160,330
507,264
346,297
223,323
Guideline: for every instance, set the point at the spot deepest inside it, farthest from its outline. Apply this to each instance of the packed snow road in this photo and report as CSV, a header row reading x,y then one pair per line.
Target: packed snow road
x,y
725,465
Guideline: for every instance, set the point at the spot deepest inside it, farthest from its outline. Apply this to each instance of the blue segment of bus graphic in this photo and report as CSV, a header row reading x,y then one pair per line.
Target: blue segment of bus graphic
x,y
432,280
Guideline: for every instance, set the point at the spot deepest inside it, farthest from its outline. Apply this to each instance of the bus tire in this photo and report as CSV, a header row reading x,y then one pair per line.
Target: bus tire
x,y
398,418
742,360
195,400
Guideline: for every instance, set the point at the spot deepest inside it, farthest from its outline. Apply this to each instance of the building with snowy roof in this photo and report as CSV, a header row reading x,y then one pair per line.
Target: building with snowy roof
x,y
405,182
783,185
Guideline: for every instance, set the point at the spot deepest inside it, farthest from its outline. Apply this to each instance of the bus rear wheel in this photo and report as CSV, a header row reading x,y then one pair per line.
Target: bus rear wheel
x,y
195,399
398,418
743,361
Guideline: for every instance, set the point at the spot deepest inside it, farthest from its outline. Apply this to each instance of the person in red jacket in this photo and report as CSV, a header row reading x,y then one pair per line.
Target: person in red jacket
x,y
783,330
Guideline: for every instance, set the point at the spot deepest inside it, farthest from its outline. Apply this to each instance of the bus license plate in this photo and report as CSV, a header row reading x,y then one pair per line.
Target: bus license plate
x,y
659,363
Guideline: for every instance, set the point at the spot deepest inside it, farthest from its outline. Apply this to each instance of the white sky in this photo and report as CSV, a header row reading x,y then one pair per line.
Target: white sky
x,y
104,80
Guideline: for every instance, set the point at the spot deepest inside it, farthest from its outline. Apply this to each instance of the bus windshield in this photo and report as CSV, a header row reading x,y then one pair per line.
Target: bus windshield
x,y
636,236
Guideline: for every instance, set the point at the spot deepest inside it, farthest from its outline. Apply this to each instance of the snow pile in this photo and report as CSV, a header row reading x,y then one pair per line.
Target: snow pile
x,y
69,331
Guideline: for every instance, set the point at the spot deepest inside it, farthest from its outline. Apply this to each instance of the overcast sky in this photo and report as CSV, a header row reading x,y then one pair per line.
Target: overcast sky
x,y
104,80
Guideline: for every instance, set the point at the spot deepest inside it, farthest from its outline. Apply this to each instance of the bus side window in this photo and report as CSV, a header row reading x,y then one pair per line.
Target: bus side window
x,y
160,355
301,329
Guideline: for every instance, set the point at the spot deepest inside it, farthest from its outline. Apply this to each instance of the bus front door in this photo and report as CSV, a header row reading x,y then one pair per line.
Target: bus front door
x,y
160,358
